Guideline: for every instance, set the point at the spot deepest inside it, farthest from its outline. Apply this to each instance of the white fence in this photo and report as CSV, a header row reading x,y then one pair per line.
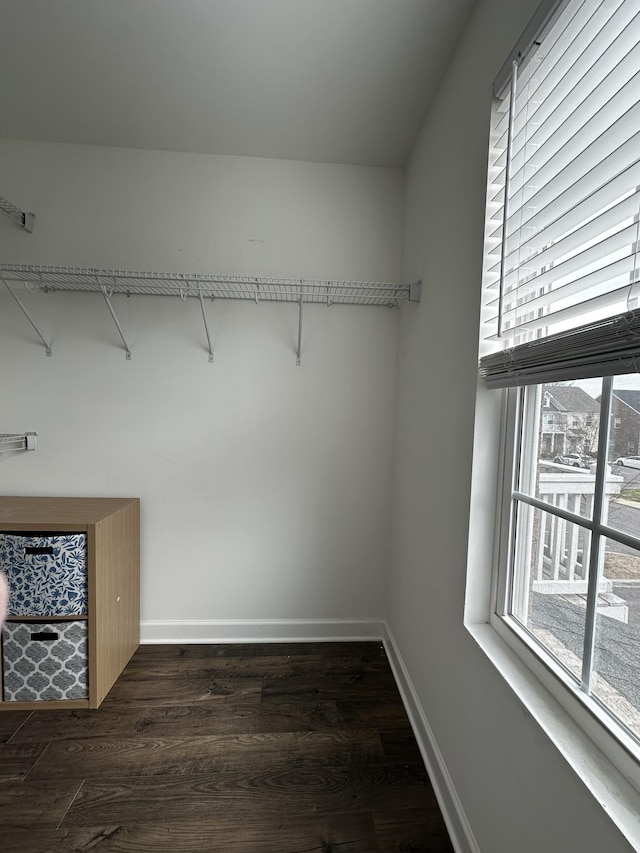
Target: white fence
x,y
560,559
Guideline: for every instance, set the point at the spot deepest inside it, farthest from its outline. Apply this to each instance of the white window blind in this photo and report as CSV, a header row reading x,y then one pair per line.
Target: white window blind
x,y
564,195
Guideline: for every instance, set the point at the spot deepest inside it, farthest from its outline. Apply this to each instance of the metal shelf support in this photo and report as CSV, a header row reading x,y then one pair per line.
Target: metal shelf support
x,y
206,327
299,350
115,320
24,220
47,346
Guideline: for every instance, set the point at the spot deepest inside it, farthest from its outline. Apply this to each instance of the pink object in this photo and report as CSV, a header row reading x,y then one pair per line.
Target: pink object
x,y
4,597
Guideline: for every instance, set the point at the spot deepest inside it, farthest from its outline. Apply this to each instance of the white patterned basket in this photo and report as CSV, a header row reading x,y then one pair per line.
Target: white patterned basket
x,y
44,661
47,575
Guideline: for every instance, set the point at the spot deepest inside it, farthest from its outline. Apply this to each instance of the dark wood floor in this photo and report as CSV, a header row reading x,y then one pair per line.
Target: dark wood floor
x,y
261,748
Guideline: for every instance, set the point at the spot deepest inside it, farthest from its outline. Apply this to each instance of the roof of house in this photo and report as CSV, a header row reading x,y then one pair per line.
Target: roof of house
x,y
629,396
571,398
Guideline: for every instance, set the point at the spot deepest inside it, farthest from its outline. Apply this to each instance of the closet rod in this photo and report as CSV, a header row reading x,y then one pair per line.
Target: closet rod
x,y
24,220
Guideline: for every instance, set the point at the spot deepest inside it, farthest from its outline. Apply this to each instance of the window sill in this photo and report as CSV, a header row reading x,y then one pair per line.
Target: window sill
x,y
611,789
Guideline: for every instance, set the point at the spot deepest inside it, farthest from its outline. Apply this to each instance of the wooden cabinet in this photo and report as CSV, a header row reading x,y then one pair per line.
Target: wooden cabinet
x,y
112,528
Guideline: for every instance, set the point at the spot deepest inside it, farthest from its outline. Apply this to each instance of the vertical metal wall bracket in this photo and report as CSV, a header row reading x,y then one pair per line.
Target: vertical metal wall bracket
x,y
47,346
206,327
115,320
299,350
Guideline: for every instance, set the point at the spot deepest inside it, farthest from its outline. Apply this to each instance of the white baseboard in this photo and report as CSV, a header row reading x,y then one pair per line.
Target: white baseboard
x,y
260,630
459,829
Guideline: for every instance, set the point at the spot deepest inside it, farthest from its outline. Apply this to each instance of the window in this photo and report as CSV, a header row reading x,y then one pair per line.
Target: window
x,y
561,327
574,574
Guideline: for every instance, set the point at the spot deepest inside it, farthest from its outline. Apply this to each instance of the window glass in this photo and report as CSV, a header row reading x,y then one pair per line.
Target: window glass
x,y
561,449
576,515
624,444
550,583
616,667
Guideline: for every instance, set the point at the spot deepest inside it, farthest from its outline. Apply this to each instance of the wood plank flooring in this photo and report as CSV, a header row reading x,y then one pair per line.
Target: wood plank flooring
x,y
251,748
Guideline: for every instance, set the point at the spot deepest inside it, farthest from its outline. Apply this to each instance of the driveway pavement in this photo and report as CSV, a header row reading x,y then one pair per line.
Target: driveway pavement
x,y
617,657
627,519
631,475
617,649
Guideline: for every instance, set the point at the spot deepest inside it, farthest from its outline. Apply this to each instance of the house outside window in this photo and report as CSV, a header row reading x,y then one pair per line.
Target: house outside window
x,y
568,424
561,314
625,413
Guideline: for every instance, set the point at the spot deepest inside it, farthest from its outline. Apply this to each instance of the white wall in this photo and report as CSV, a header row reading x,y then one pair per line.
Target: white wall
x,y
265,487
517,792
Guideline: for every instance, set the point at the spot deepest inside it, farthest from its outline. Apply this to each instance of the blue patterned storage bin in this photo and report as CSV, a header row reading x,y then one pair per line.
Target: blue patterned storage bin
x,y
44,660
47,575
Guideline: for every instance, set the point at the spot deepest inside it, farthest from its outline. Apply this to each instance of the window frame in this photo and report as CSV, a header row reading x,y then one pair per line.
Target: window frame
x,y
612,738
573,724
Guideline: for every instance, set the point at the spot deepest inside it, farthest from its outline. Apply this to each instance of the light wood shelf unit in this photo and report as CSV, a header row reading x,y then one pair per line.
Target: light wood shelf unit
x,y
112,526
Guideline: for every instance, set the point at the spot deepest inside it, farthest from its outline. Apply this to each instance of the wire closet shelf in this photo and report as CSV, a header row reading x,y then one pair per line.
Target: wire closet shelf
x,y
17,441
20,217
201,285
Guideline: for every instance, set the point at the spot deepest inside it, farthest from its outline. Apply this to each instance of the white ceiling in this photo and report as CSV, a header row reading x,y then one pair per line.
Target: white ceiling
x,y
342,81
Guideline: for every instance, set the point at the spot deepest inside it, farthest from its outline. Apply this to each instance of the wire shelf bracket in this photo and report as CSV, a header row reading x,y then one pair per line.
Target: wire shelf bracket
x,y
107,299
47,346
20,217
17,441
299,350
206,327
110,282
